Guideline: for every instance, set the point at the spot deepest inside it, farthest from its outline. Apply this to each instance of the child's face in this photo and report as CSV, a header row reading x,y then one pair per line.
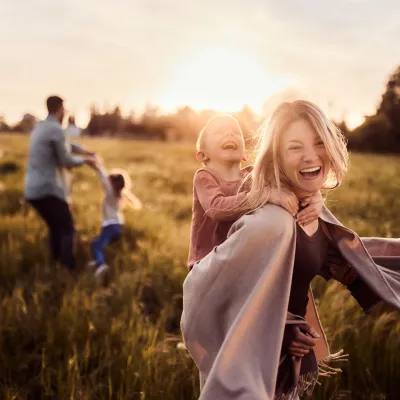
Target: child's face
x,y
223,142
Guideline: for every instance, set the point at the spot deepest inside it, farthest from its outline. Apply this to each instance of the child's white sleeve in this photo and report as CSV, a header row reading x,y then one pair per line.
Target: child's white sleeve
x,y
103,175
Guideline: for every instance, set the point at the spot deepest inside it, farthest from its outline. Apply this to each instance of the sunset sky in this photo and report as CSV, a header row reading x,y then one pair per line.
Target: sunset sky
x,y
218,54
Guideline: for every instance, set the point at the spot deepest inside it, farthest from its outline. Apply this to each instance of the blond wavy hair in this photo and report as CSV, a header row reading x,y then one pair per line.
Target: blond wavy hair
x,y
267,171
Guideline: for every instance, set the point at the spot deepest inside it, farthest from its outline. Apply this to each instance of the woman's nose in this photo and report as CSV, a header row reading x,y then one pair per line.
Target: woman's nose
x,y
310,155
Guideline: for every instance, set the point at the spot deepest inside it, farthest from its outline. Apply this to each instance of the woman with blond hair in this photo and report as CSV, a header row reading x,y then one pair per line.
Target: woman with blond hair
x,y
244,300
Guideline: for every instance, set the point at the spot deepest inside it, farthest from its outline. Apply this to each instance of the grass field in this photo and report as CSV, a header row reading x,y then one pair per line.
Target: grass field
x,y
60,340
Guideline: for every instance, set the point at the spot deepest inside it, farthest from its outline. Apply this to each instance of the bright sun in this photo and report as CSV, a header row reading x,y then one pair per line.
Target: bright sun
x,y
221,79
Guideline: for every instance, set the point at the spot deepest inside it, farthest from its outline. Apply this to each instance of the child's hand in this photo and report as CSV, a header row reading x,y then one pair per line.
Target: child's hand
x,y
97,161
90,161
312,210
285,199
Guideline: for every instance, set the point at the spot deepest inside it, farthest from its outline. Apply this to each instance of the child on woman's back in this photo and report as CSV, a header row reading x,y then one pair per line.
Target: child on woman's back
x,y
116,188
219,190
218,187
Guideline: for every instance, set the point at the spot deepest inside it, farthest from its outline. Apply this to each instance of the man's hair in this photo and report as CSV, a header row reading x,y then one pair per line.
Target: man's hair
x,y
54,103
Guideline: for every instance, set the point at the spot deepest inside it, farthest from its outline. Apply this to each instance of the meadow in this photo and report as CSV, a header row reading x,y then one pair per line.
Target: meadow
x,y
66,340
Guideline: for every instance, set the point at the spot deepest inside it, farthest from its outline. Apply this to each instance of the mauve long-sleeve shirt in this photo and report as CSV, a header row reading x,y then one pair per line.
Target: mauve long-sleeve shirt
x,y
214,210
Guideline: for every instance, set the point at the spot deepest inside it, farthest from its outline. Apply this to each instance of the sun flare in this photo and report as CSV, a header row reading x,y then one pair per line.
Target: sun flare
x,y
222,79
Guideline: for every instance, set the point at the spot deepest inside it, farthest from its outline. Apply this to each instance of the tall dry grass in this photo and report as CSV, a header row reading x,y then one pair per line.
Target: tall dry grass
x,y
60,340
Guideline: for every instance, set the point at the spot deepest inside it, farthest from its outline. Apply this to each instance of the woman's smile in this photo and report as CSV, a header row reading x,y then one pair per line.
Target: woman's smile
x,y
310,173
304,159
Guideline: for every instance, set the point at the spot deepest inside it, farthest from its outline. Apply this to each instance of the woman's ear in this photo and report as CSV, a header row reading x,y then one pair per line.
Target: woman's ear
x,y
245,155
201,156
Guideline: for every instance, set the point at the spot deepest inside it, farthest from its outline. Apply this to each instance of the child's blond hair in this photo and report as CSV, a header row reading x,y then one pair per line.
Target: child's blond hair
x,y
206,127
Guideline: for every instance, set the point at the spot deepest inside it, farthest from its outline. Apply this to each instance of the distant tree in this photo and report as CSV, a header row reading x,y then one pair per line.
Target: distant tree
x,y
4,127
390,103
343,127
248,121
186,124
93,127
374,135
150,113
381,132
116,123
27,123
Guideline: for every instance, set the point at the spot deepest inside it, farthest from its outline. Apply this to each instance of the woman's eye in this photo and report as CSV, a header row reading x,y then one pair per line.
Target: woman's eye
x,y
294,148
320,144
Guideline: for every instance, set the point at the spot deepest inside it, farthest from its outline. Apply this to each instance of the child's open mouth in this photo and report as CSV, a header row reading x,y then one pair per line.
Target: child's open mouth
x,y
310,173
229,146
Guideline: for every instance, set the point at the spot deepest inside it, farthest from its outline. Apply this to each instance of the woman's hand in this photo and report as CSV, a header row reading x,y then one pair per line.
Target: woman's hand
x,y
285,199
313,207
298,342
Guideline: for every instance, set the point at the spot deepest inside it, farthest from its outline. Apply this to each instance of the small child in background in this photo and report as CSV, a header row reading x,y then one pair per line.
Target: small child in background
x,y
116,187
219,191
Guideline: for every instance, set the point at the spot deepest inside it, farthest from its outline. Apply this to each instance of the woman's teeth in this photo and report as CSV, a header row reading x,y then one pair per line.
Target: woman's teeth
x,y
310,171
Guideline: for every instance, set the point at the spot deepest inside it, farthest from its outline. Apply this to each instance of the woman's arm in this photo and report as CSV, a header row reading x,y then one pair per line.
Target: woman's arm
x,y
382,247
337,267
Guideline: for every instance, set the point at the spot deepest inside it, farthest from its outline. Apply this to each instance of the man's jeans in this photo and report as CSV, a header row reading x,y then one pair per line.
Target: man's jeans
x,y
58,218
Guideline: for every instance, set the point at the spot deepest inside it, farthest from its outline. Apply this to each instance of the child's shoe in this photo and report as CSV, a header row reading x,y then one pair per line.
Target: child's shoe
x,y
101,273
91,265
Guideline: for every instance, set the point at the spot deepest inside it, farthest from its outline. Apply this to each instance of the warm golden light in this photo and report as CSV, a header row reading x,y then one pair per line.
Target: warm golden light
x,y
222,79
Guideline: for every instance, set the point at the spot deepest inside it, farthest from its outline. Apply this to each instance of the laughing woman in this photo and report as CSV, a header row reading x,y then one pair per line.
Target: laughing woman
x,y
243,299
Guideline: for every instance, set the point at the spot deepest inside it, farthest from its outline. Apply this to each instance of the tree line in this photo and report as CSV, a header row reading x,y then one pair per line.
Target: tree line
x,y
379,132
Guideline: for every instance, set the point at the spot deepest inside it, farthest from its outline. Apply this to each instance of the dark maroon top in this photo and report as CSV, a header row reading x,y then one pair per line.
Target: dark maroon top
x,y
311,254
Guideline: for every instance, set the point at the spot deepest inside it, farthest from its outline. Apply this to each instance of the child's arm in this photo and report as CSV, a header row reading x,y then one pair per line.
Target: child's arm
x,y
285,199
215,204
103,175
311,212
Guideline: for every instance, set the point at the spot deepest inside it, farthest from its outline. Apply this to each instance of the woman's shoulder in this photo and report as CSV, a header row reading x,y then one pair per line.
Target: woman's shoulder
x,y
269,225
273,213
268,219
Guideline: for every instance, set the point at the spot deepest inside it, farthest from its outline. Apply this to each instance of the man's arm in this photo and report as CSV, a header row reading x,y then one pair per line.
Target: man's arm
x,y
78,149
64,157
216,205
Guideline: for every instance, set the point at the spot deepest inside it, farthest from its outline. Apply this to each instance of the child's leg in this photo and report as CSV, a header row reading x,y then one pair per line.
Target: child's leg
x,y
108,234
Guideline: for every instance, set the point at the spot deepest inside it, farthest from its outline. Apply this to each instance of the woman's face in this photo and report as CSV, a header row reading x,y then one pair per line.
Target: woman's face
x,y
303,158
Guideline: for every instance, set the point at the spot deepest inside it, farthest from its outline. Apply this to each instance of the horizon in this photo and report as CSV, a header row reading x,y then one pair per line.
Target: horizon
x,y
139,52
